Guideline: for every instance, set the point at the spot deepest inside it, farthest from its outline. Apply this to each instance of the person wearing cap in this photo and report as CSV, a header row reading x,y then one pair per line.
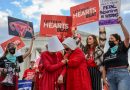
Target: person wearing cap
x,y
77,75
53,62
116,61
30,72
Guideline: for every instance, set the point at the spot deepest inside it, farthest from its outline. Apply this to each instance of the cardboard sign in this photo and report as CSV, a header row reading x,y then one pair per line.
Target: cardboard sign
x,y
20,28
109,11
16,40
56,25
85,13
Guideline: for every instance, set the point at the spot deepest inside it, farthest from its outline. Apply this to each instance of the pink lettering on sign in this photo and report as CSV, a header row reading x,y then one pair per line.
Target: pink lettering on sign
x,y
21,28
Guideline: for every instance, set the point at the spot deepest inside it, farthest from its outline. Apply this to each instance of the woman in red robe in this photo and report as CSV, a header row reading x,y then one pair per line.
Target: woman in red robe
x,y
78,77
53,65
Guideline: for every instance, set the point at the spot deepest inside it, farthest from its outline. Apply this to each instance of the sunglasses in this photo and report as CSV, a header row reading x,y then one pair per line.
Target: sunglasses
x,y
67,49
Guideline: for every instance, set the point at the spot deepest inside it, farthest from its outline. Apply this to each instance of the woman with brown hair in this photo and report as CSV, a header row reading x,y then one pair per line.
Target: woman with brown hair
x,y
9,67
94,57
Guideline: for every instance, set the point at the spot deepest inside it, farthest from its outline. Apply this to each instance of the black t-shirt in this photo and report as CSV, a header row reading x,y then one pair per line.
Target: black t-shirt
x,y
119,58
5,63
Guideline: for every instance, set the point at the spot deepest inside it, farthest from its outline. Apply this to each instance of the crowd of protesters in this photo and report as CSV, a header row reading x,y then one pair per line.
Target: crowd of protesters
x,y
9,67
67,64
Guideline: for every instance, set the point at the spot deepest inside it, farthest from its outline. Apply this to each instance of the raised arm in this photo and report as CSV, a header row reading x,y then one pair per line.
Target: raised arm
x,y
29,51
125,32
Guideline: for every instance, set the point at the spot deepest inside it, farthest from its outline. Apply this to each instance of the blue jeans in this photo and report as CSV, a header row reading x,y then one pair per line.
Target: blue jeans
x,y
118,78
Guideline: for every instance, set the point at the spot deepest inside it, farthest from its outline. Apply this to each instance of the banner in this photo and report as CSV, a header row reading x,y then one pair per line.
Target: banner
x,y
16,40
85,13
24,85
20,28
56,25
109,11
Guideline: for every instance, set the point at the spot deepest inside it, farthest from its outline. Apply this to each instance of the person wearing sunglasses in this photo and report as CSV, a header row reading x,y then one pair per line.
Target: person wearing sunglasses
x,y
94,51
9,67
77,75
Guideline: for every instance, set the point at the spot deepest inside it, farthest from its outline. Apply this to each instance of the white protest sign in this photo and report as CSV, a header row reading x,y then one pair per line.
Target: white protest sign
x,y
109,11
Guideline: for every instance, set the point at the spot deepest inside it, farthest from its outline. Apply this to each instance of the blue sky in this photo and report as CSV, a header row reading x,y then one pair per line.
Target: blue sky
x,y
31,10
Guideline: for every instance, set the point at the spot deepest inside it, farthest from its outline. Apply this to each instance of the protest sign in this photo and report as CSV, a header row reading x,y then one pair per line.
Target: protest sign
x,y
85,13
20,28
16,40
55,25
109,11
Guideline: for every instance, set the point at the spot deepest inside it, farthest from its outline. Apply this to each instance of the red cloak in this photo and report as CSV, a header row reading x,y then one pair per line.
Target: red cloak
x,y
78,77
52,69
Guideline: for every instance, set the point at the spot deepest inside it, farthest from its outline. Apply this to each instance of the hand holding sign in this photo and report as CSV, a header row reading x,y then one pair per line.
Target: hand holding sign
x,y
119,20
